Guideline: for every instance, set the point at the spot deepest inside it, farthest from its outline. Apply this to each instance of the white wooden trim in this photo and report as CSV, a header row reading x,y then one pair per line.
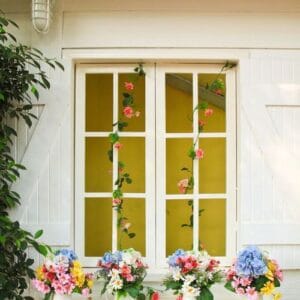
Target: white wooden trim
x,y
199,196
192,135
108,195
115,160
195,165
121,134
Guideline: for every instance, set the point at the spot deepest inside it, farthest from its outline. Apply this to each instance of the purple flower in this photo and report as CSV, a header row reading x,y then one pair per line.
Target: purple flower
x,y
250,262
172,259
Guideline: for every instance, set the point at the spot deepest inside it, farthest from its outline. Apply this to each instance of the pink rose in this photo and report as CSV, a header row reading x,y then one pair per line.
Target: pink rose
x,y
201,123
182,185
128,112
116,201
129,86
199,153
85,292
118,145
240,291
235,283
208,112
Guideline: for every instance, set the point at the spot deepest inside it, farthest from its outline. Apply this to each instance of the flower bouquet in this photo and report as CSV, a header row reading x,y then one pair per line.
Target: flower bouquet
x,y
123,273
62,274
192,274
253,274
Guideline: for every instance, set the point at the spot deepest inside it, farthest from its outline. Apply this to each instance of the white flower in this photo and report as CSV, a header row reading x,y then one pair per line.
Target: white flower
x,y
61,260
130,256
176,274
116,283
113,273
188,279
189,291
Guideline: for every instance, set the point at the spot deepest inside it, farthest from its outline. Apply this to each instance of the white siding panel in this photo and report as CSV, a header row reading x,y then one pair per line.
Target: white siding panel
x,y
269,150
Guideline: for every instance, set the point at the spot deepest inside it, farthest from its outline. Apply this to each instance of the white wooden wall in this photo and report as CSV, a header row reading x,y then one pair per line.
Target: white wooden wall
x,y
262,37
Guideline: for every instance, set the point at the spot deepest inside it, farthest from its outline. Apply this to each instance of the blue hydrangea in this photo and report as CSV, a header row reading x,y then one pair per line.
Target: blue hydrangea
x,y
172,259
70,254
114,258
250,262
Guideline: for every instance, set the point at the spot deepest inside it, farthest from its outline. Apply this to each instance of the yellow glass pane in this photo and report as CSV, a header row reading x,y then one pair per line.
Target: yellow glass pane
x,y
98,168
212,226
216,100
134,211
134,123
179,232
132,154
212,168
98,226
99,102
176,159
179,102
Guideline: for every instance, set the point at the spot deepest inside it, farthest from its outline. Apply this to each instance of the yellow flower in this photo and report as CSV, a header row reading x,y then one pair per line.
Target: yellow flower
x,y
39,273
271,266
76,264
268,288
277,296
270,275
90,283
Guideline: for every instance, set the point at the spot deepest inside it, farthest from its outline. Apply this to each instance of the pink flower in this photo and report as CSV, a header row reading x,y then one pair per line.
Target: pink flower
x,y
129,278
128,112
155,296
201,123
41,286
85,292
116,201
251,293
208,112
137,113
279,274
244,281
180,297
240,291
230,274
199,153
129,86
182,185
235,283
118,145
219,92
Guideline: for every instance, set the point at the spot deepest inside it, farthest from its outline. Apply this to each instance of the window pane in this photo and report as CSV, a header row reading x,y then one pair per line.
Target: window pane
x,y
99,102
134,123
176,159
212,168
134,211
98,226
215,97
179,102
212,226
179,232
98,168
132,154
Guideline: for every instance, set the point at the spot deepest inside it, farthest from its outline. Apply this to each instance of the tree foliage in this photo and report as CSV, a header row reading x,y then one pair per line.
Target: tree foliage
x,y
21,76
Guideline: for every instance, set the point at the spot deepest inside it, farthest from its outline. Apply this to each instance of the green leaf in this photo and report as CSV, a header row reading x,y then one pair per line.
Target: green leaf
x,y
1,97
133,292
59,65
128,180
205,294
276,282
38,234
35,91
229,287
131,235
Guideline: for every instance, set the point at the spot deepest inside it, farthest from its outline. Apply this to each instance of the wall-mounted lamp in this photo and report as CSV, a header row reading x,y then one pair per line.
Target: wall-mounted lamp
x,y
41,15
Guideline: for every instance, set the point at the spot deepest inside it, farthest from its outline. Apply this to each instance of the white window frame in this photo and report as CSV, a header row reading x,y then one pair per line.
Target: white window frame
x,y
229,134
155,212
81,134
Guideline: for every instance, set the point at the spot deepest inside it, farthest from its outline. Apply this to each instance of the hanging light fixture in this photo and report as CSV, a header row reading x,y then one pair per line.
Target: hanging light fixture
x,y
41,15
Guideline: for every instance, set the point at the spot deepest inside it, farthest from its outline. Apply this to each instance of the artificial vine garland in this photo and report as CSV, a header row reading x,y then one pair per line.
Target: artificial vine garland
x,y
187,184
129,112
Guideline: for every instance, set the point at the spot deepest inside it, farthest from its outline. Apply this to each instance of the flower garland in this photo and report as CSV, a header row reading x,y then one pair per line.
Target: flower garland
x,y
187,184
129,112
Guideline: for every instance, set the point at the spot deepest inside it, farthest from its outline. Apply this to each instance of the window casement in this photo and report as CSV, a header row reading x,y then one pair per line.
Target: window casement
x,y
155,148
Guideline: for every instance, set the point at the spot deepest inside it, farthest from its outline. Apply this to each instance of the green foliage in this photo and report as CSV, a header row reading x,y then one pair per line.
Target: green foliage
x,y
229,287
21,75
205,294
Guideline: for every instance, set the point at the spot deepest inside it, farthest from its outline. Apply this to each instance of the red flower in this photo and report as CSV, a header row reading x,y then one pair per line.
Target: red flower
x,y
128,112
155,296
129,86
208,112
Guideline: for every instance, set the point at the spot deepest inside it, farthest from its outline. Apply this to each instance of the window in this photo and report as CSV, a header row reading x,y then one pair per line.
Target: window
x,y
155,148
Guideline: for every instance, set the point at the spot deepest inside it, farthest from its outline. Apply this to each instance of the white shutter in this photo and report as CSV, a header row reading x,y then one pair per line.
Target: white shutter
x,y
269,147
46,186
